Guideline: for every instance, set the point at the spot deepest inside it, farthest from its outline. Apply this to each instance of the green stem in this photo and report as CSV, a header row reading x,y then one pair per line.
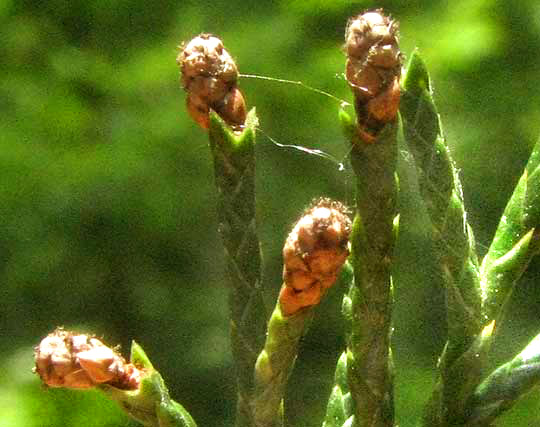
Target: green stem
x,y
150,403
275,363
234,166
372,243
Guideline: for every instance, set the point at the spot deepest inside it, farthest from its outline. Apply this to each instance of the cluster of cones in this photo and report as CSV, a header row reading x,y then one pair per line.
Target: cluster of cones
x,y
373,70
65,359
209,76
313,255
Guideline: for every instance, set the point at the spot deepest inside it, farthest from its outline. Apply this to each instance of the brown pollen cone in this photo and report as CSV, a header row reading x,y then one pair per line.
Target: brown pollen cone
x,y
209,76
313,255
373,70
65,359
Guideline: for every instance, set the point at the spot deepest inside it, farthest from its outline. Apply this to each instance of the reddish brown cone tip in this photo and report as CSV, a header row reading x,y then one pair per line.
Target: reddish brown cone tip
x,y
313,255
209,76
65,359
373,70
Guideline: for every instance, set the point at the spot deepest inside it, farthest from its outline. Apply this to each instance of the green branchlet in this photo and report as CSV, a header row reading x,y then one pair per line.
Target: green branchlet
x,y
209,76
77,361
455,253
150,403
275,363
516,240
372,241
504,386
340,405
441,191
313,255
234,167
373,71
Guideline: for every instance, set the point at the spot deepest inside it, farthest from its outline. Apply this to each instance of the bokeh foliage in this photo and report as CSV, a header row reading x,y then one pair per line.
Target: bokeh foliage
x,y
107,210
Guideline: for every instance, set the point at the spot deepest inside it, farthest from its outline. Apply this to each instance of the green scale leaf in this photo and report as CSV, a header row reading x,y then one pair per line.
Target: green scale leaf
x,y
516,240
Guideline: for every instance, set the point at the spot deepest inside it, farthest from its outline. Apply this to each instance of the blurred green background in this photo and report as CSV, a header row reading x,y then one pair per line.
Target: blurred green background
x,y
107,209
